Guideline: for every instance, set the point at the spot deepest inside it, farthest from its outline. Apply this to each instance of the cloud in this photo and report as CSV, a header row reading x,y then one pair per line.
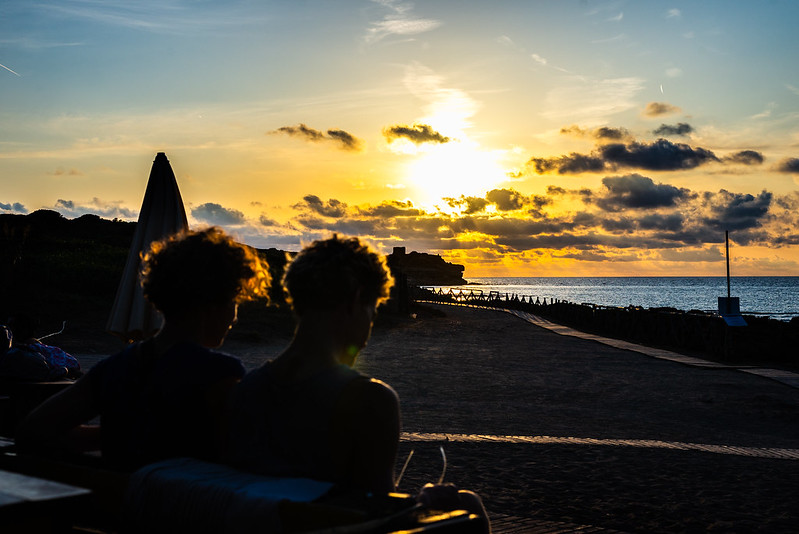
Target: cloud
x,y
673,13
346,140
60,171
449,104
681,128
603,133
592,100
332,208
636,191
737,211
538,59
656,109
504,40
611,133
16,207
302,130
698,255
660,155
263,220
212,213
629,218
506,199
671,222
469,205
170,18
788,165
417,133
392,208
400,21
745,157
105,209
766,113
574,163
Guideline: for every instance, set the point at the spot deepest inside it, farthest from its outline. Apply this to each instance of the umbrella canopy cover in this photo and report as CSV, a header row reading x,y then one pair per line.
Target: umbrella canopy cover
x,y
162,214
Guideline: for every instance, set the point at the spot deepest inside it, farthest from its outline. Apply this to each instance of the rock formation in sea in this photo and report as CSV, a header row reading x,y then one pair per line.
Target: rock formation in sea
x,y
423,269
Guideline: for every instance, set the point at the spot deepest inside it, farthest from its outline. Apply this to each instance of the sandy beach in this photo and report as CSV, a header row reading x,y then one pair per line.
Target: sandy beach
x,y
638,465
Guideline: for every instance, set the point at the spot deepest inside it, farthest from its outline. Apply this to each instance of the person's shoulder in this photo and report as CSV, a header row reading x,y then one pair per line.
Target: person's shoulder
x,y
124,356
370,392
211,359
225,363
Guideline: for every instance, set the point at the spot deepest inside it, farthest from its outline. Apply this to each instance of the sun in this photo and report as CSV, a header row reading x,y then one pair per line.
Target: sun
x,y
453,169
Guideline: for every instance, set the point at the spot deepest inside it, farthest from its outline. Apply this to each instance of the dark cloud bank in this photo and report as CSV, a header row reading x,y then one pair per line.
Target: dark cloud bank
x,y
628,214
659,155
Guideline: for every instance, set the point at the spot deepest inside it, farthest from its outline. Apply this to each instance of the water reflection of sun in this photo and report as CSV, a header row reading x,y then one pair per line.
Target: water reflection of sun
x,y
453,169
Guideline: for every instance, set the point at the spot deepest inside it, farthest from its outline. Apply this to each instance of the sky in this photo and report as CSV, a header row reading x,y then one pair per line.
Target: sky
x,y
517,138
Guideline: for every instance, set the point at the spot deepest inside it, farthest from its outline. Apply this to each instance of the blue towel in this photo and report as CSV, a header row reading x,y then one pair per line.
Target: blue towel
x,y
188,495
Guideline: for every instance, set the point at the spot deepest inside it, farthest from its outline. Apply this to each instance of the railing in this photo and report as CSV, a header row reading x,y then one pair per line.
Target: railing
x,y
493,298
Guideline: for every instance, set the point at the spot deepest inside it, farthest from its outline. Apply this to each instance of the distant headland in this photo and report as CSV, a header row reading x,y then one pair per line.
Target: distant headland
x,y
58,267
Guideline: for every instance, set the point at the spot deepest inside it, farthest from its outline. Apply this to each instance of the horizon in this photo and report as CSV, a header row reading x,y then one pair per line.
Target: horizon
x,y
570,139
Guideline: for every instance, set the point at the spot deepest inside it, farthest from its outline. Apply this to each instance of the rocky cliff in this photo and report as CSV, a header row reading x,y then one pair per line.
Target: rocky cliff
x,y
423,269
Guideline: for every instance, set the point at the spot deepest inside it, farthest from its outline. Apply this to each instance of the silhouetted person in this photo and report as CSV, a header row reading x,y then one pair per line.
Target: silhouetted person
x,y
163,397
308,413
30,359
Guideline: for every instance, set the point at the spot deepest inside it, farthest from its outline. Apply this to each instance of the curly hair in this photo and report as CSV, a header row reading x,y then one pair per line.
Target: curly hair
x,y
199,268
330,271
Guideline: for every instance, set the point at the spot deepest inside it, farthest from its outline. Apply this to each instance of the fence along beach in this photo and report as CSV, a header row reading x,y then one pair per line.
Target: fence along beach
x,y
776,297
763,341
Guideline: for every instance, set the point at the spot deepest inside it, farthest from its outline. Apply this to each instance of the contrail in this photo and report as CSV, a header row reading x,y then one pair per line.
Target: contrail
x,y
9,70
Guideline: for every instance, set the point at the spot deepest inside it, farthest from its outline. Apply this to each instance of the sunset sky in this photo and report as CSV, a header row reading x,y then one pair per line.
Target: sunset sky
x,y
518,138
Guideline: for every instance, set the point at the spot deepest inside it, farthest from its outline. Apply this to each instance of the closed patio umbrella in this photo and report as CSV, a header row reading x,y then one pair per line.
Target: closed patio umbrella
x,y
162,214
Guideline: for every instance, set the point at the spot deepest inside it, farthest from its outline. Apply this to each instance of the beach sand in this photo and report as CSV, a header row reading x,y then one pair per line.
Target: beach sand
x,y
470,373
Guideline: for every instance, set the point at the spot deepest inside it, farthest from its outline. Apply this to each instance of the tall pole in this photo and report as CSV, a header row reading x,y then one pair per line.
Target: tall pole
x,y
727,244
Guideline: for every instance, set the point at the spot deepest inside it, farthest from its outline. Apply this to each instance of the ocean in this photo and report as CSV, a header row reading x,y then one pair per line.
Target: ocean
x,y
773,296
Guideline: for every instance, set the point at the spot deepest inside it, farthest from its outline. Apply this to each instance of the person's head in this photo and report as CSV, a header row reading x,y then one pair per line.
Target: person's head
x,y
22,327
335,271
341,278
203,270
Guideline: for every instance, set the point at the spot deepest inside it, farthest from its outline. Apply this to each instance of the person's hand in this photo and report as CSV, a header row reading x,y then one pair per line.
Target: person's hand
x,y
442,497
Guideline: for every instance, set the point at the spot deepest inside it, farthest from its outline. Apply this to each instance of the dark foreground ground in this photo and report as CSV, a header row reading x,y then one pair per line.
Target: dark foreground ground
x,y
479,372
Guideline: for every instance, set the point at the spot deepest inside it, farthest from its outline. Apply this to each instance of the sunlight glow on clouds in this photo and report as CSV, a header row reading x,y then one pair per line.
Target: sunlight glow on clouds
x,y
454,168
519,138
